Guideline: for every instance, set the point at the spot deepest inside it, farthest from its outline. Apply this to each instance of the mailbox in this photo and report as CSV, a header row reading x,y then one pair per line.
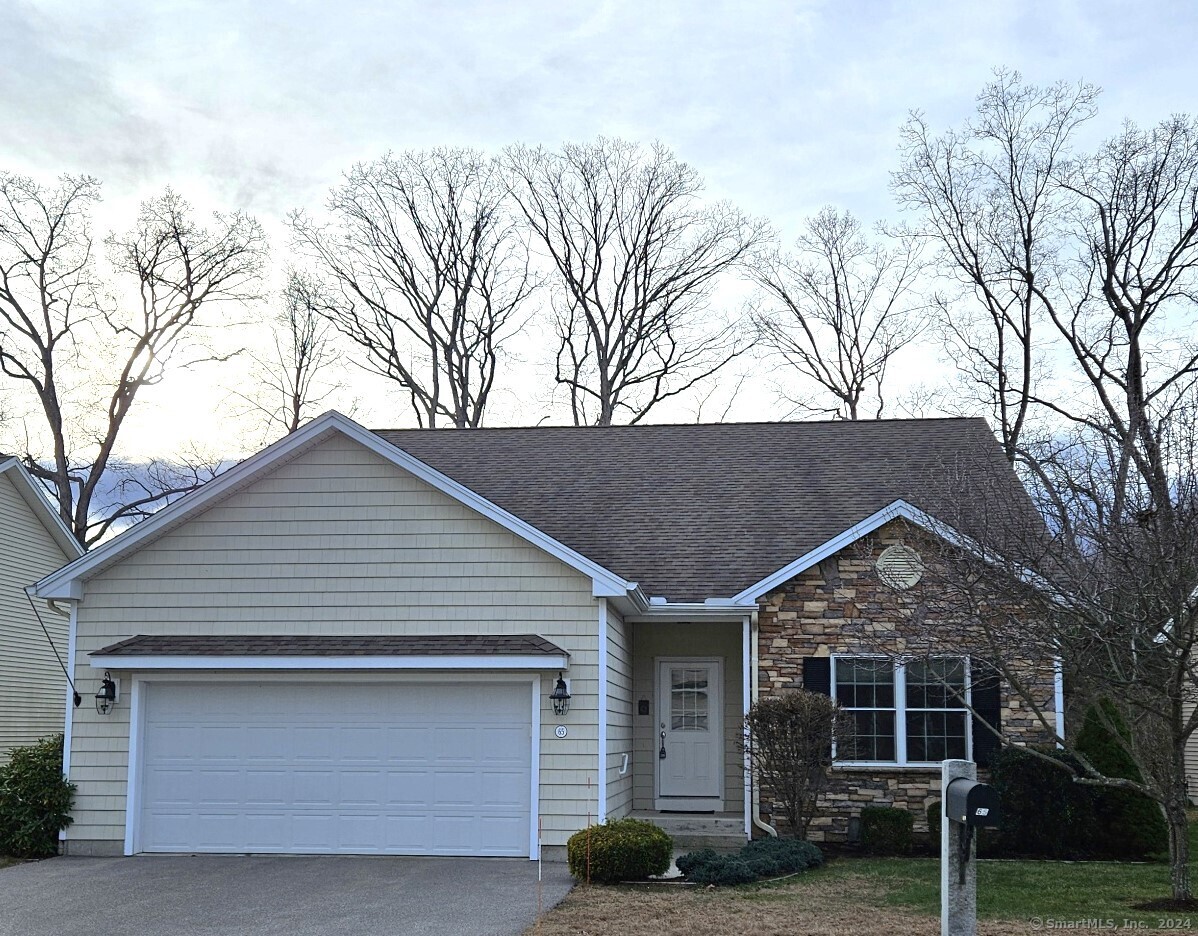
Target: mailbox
x,y
972,804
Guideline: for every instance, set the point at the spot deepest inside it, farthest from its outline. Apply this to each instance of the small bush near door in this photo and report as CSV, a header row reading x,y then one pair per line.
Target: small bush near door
x,y
619,850
35,800
886,830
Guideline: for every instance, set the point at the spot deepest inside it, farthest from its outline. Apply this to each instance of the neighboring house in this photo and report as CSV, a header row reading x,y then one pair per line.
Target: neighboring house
x,y
348,642
33,542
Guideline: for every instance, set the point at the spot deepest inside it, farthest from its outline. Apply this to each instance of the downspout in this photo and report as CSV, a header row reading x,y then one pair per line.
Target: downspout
x,y
754,636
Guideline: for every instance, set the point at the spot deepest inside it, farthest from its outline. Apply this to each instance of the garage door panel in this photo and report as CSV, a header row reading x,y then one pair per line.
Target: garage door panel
x,y
506,788
372,768
267,787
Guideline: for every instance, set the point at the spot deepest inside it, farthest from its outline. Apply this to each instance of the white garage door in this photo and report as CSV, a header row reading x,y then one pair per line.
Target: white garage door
x,y
373,768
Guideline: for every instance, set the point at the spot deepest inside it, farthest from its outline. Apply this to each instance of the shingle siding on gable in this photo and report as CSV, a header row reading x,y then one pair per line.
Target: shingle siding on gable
x,y
337,541
32,685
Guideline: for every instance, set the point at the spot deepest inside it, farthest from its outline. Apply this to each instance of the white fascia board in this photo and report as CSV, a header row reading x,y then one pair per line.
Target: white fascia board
x,y
693,611
892,511
59,584
33,495
179,662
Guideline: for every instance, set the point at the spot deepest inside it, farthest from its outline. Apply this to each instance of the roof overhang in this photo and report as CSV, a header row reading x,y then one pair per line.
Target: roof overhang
x,y
893,511
69,582
898,509
296,652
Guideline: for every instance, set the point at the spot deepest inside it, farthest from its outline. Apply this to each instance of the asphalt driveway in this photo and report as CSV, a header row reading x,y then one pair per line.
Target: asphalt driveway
x,y
297,896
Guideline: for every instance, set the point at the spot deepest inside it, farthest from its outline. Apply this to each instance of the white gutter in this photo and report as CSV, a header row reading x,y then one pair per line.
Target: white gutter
x,y
754,638
746,666
601,809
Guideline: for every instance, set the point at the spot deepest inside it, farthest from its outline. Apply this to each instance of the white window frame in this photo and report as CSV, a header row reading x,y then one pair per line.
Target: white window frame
x,y
900,709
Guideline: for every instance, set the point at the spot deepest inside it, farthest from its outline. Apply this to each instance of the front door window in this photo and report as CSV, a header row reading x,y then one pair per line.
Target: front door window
x,y
688,698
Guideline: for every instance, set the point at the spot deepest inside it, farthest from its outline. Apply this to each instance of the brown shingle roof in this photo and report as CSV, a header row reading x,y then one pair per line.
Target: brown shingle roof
x,y
698,511
322,645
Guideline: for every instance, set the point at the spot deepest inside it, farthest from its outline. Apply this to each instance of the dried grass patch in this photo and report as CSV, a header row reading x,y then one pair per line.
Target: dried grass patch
x,y
815,906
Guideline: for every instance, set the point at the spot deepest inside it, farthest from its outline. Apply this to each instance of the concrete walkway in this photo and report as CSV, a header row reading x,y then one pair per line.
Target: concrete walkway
x,y
297,896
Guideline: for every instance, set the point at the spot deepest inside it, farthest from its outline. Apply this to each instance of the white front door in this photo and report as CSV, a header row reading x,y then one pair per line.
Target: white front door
x,y
690,734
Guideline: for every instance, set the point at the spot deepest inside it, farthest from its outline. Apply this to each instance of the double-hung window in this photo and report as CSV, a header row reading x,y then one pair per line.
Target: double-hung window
x,y
913,712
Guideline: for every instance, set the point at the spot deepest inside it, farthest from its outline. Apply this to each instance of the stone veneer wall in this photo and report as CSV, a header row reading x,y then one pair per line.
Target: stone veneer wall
x,y
840,606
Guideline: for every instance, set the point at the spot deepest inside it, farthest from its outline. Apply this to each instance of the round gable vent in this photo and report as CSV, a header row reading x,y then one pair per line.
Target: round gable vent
x,y
899,567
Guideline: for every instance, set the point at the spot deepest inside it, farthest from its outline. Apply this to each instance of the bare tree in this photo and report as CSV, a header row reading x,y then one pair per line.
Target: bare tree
x,y
296,377
838,310
988,199
1108,450
789,740
637,257
428,273
83,355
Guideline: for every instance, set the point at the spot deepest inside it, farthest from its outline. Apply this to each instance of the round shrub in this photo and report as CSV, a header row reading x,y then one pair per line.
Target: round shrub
x,y
35,800
619,850
886,830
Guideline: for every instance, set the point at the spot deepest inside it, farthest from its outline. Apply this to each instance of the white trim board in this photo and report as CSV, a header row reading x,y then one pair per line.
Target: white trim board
x,y
69,718
171,662
68,581
892,511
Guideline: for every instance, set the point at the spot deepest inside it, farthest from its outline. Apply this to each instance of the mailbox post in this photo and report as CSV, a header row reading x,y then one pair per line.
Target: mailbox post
x,y
968,806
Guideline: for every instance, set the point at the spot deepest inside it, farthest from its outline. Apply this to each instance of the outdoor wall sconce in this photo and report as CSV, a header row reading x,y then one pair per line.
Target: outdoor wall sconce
x,y
106,697
560,696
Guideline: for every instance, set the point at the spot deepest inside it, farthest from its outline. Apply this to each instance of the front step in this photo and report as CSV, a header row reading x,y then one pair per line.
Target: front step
x,y
700,830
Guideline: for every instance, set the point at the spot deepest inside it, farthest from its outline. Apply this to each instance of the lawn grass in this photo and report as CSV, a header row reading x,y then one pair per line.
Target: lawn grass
x,y
876,896
1020,890
1015,890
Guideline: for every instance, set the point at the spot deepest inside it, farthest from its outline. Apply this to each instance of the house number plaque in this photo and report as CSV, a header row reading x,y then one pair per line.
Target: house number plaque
x,y
560,731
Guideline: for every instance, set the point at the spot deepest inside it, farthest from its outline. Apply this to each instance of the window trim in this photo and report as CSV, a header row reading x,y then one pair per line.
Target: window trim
x,y
900,709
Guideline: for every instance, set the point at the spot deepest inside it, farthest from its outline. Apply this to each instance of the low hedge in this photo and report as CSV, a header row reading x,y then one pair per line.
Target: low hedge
x,y
619,850
35,800
886,830
764,858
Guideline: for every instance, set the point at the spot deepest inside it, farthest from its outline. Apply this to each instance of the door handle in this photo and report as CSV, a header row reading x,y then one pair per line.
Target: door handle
x,y
661,755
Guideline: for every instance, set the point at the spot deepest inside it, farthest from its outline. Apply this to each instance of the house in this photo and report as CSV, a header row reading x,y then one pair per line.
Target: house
x,y
349,642
33,635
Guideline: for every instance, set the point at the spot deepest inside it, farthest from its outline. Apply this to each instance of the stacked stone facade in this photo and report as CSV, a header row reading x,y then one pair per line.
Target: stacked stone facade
x,y
842,607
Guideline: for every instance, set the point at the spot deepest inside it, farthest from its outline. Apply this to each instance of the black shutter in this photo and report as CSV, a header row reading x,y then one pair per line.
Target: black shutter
x,y
987,707
817,674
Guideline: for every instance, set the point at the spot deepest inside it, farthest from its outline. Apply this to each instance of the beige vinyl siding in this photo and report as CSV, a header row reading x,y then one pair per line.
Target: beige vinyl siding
x,y
723,641
32,684
619,716
1191,757
340,541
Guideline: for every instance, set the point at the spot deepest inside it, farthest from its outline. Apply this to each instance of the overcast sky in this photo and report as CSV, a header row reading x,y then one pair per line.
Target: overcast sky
x,y
782,106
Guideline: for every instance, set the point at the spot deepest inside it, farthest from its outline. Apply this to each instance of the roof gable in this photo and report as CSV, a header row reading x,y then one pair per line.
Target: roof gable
x,y
68,582
41,508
